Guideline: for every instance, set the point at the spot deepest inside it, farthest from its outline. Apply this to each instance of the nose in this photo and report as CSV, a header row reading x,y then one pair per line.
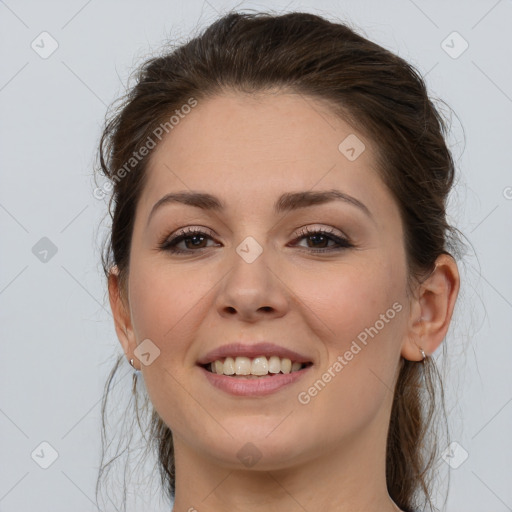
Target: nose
x,y
252,290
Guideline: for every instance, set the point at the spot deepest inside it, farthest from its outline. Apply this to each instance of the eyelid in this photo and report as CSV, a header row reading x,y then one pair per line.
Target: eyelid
x,y
308,228
188,230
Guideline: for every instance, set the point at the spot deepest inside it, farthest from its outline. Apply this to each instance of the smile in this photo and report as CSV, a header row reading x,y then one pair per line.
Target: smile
x,y
259,376
254,367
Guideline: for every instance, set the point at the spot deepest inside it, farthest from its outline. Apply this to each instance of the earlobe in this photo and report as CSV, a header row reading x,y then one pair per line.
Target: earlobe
x,y
432,309
122,319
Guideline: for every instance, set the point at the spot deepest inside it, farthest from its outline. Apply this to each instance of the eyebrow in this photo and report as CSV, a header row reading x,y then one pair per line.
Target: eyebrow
x,y
287,202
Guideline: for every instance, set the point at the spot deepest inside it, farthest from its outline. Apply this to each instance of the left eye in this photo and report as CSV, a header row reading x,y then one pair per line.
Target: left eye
x,y
317,235
196,237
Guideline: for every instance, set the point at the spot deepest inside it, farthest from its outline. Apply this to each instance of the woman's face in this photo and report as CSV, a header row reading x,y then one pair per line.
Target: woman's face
x,y
254,275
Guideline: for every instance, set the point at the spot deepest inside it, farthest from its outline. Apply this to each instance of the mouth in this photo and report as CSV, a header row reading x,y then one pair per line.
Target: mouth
x,y
262,366
253,377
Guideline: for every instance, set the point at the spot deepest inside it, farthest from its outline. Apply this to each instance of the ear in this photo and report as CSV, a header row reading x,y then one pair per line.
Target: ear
x,y
121,313
431,309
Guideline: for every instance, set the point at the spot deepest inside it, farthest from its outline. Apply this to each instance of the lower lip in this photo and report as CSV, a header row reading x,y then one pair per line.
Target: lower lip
x,y
253,387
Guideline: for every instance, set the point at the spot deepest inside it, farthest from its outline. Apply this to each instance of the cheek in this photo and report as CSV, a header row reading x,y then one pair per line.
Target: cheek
x,y
359,317
166,306
348,299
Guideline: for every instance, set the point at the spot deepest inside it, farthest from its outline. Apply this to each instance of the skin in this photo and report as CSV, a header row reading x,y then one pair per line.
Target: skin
x,y
328,454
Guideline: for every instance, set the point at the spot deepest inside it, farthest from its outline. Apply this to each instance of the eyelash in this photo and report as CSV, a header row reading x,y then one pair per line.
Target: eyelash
x,y
169,245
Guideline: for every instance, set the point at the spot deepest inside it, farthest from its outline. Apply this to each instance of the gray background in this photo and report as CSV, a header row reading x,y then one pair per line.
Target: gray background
x,y
58,339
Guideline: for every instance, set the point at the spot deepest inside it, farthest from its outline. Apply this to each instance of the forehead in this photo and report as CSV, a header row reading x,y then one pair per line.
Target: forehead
x,y
248,146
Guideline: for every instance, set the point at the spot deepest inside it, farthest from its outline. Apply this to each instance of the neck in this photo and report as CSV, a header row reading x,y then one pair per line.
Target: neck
x,y
347,478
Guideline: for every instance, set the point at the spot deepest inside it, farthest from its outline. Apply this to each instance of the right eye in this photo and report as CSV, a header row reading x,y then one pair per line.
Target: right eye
x,y
188,234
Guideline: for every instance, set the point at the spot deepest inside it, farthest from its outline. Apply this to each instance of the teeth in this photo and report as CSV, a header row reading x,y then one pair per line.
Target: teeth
x,y
257,366
218,367
296,367
274,364
228,368
242,366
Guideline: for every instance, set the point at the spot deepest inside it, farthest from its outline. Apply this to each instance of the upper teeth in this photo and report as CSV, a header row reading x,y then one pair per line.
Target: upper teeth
x,y
256,366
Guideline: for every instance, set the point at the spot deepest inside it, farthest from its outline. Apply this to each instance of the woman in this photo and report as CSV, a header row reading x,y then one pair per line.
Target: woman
x,y
279,266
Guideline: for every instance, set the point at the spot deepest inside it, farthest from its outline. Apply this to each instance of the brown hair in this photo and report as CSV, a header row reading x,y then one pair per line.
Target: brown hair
x,y
376,92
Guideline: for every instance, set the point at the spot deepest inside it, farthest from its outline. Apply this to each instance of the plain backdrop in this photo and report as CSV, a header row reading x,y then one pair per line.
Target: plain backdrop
x,y
58,339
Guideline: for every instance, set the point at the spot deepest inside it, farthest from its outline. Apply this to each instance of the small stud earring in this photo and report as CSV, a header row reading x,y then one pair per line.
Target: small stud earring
x,y
423,354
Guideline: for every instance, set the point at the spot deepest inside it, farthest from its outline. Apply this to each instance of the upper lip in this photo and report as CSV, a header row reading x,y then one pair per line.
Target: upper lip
x,y
263,348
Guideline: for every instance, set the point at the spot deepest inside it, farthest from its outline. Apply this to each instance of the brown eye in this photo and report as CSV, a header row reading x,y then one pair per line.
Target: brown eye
x,y
193,238
322,237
